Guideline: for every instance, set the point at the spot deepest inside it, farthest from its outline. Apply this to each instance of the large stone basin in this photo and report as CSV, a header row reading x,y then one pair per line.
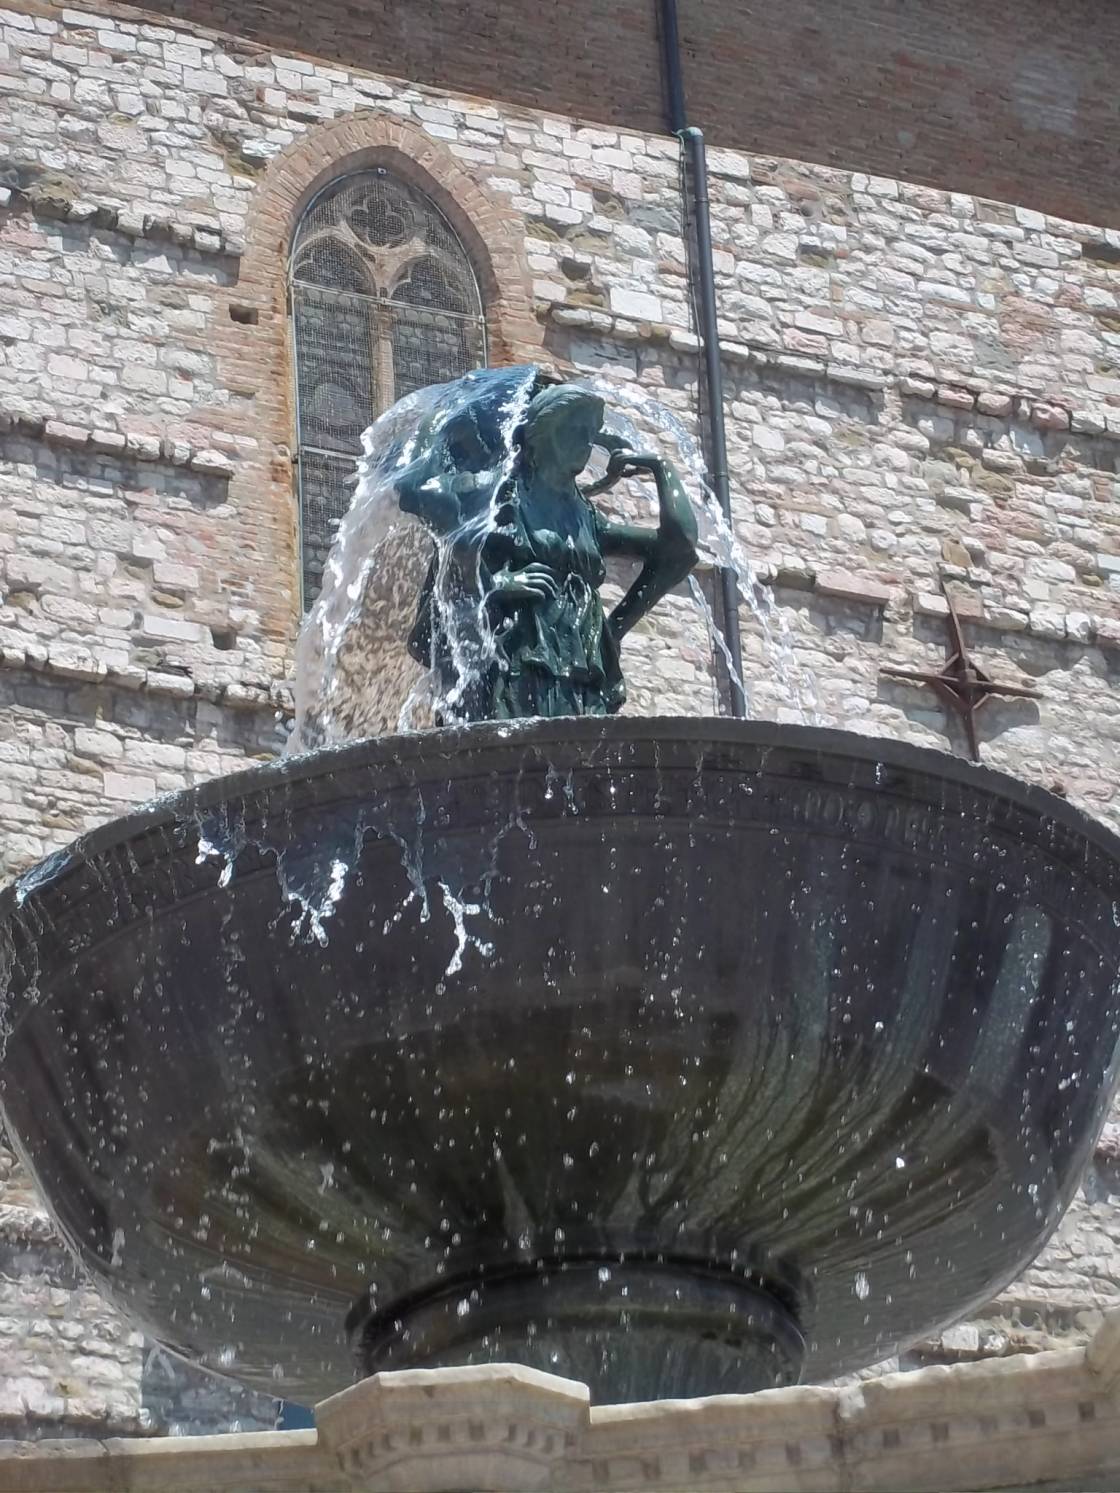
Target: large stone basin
x,y
766,1050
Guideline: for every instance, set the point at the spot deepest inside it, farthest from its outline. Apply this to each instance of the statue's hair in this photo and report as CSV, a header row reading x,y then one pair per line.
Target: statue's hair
x,y
554,403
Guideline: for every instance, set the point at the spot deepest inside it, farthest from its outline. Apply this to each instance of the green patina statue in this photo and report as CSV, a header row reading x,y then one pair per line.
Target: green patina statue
x,y
510,617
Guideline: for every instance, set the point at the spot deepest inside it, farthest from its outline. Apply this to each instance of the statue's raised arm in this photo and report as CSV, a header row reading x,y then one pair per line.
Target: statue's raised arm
x,y
668,553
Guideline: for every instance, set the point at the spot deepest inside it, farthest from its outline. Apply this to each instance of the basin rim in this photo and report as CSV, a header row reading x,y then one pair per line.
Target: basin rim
x,y
450,743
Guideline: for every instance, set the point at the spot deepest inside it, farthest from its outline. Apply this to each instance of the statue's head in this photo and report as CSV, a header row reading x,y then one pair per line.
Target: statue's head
x,y
560,428
469,444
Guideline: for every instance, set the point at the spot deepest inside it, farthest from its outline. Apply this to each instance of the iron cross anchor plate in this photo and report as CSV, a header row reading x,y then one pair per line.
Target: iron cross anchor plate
x,y
961,683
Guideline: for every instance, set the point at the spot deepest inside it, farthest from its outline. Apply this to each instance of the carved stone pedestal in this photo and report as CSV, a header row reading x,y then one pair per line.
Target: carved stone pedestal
x,y
1051,1422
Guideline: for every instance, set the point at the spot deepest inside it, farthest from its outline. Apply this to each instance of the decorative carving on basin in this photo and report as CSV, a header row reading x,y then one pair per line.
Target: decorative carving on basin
x,y
676,1056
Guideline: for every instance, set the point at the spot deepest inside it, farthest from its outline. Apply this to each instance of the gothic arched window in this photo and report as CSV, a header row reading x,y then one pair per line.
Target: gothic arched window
x,y
384,301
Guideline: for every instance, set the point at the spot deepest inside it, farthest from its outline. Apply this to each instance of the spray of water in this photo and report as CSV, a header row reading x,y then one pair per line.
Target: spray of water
x,y
644,420
355,674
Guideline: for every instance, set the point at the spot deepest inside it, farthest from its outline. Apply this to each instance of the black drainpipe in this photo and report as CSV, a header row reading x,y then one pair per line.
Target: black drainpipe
x,y
700,251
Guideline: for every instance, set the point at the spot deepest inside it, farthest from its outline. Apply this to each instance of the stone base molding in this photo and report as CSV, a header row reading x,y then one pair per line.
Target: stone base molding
x,y
1052,1419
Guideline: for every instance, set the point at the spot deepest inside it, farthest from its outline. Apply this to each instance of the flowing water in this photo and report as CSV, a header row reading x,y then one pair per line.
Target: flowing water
x,y
355,676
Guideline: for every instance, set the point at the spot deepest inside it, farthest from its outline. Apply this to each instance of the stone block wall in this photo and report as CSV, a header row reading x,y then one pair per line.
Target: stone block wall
x,y
1016,103
923,389
68,1366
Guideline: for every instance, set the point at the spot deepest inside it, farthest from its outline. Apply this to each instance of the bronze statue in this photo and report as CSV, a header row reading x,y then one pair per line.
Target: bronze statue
x,y
510,616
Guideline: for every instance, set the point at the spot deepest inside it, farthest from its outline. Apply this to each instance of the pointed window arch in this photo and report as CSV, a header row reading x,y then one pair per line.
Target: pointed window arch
x,y
384,300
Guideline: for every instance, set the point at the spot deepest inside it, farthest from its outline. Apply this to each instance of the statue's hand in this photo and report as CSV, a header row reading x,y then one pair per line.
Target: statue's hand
x,y
627,463
531,583
609,440
623,463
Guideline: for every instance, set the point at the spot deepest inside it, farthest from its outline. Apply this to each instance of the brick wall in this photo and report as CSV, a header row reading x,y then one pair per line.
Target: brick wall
x,y
1015,102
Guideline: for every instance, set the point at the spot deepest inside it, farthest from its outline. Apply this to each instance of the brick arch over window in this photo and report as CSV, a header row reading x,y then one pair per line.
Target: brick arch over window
x,y
384,301
258,344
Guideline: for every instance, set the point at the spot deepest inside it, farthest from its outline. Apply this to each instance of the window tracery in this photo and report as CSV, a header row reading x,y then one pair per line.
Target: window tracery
x,y
384,300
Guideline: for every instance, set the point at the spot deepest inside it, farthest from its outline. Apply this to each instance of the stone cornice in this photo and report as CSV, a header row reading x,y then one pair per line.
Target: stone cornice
x,y
67,662
924,385
1051,1417
26,1225
127,445
53,200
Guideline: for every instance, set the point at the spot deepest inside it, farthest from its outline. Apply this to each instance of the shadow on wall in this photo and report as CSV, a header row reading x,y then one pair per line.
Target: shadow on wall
x,y
161,474
1019,437
922,707
28,695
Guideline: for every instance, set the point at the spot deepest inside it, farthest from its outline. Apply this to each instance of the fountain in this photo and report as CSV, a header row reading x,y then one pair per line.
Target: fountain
x,y
679,1056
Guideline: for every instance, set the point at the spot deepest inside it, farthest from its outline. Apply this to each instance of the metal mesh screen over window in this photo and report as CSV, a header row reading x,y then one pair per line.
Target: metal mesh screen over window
x,y
384,301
